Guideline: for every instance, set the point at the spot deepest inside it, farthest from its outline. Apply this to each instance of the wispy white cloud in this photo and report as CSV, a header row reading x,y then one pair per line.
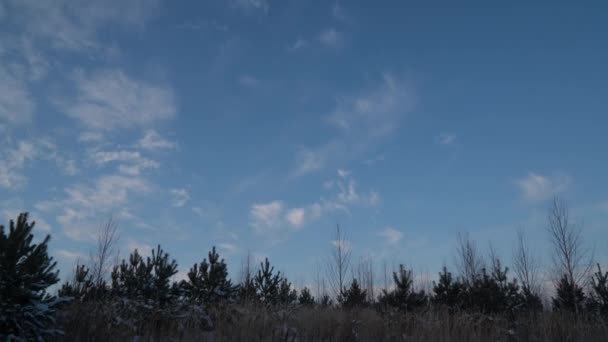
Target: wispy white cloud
x,y
249,5
266,217
330,37
391,235
70,255
536,187
228,248
180,197
80,211
12,163
142,248
362,121
295,217
277,217
72,26
299,44
110,99
154,141
16,103
131,162
447,139
248,81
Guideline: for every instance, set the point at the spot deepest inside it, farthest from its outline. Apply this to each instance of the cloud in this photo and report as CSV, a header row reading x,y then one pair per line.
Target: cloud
x,y
362,121
109,99
276,217
228,248
153,141
266,217
143,249
80,212
345,245
248,81
299,44
391,235
338,12
12,163
16,103
132,162
308,161
66,25
90,137
249,5
295,217
330,37
446,139
69,255
180,197
535,187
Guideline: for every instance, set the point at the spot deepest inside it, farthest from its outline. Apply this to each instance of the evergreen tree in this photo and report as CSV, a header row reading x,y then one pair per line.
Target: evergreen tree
x,y
569,296
306,297
267,283
26,271
354,296
209,283
599,292
447,291
247,292
326,301
148,280
80,286
286,295
403,296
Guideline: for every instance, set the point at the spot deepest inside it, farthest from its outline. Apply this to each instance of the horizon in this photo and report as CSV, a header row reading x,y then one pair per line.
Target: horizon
x,y
257,126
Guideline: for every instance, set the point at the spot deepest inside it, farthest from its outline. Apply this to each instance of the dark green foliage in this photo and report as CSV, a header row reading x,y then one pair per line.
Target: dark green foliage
x,y
599,292
286,295
403,296
354,296
80,286
531,301
493,293
448,291
247,292
147,280
209,283
306,298
326,300
267,283
569,296
26,271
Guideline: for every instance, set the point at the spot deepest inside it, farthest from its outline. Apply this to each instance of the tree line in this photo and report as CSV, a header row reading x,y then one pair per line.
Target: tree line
x,y
140,287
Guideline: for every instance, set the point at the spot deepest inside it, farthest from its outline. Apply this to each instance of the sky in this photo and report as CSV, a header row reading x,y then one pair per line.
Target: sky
x,y
257,126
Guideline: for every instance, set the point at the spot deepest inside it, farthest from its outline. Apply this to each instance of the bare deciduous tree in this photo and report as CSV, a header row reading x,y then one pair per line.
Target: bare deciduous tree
x,y
338,263
469,261
526,265
365,275
571,258
105,250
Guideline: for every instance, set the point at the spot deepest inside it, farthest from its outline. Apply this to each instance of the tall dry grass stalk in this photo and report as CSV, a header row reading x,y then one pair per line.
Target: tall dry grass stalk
x,y
94,322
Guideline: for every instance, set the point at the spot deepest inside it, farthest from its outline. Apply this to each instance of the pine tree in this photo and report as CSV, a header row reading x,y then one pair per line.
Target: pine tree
x,y
403,295
569,296
209,283
267,283
80,286
26,271
247,291
148,280
447,291
286,295
354,296
599,292
306,297
326,301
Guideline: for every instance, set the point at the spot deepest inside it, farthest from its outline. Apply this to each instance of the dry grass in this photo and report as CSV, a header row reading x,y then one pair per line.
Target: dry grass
x,y
90,322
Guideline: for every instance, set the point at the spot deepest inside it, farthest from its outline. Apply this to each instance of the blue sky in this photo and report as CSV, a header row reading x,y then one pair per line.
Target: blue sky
x,y
257,125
